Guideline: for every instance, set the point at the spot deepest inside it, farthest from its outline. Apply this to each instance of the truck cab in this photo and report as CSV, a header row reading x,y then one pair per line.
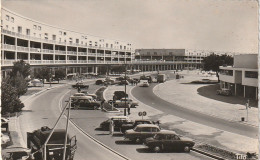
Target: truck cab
x,y
54,148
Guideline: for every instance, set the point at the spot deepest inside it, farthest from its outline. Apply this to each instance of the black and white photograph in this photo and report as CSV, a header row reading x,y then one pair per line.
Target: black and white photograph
x,y
129,79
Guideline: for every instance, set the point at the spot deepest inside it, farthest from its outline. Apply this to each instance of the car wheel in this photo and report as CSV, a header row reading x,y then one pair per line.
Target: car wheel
x,y
186,149
138,140
115,105
157,149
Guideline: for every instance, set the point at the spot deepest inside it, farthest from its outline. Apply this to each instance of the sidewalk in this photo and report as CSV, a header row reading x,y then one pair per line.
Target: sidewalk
x,y
200,133
203,98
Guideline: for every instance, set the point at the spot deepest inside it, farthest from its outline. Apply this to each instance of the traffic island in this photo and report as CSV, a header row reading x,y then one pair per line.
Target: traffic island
x,y
219,153
106,106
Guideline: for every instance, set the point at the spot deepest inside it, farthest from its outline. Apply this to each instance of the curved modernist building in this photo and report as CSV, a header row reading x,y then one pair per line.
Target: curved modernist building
x,y
41,44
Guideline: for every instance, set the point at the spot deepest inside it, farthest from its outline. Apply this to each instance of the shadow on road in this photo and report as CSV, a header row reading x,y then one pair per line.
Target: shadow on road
x,y
209,91
125,142
118,135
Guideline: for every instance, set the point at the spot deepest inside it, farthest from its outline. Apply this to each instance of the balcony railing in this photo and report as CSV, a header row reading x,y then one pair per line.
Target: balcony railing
x,y
20,48
47,51
72,61
60,61
72,52
91,54
100,54
35,50
60,52
35,61
82,61
82,53
47,61
9,47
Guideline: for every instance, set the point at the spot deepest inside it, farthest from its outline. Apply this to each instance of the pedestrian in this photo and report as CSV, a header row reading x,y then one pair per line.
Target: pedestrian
x,y
79,89
111,127
102,104
128,109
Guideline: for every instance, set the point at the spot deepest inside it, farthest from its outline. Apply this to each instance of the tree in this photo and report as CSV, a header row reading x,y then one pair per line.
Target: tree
x,y
10,102
60,74
213,61
44,73
19,83
21,67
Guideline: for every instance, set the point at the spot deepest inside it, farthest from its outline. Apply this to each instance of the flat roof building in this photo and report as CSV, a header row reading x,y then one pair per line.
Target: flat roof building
x,y
242,77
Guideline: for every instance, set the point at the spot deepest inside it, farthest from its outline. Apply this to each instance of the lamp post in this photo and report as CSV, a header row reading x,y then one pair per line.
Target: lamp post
x,y
125,91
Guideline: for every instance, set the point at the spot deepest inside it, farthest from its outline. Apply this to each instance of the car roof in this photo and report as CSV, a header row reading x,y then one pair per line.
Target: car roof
x,y
167,132
79,94
85,97
118,117
148,125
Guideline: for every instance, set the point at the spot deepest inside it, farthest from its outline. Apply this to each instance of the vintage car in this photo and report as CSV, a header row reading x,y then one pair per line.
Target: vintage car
x,y
80,85
168,141
99,82
85,102
134,124
141,132
224,92
144,83
118,122
125,101
77,96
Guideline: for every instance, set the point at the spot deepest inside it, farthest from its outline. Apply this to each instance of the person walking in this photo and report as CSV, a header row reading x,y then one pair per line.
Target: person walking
x,y
111,127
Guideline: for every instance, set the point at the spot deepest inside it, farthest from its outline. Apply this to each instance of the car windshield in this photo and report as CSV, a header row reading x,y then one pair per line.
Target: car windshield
x,y
137,129
157,136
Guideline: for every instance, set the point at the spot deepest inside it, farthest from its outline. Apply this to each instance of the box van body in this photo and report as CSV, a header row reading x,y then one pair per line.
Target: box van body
x,y
161,78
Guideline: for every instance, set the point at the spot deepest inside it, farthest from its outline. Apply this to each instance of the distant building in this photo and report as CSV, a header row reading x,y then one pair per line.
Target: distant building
x,y
242,77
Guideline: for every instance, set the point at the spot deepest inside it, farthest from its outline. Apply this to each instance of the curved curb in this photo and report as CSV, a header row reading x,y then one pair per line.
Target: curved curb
x,y
212,115
88,135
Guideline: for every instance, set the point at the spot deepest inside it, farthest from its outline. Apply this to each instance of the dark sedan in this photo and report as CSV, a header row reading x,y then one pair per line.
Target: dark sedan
x,y
168,141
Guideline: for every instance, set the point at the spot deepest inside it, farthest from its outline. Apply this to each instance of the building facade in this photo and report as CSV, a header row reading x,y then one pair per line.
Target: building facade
x,y
242,77
41,44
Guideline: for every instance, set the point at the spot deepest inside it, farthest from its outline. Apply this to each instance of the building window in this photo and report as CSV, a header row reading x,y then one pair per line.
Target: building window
x,y
96,44
7,17
12,19
64,33
19,29
6,27
34,34
39,28
226,72
124,47
251,74
77,40
111,45
27,32
60,39
54,37
106,45
86,37
13,29
34,27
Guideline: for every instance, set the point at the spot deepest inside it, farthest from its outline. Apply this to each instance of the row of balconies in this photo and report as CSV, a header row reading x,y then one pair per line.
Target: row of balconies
x,y
44,62
59,43
37,50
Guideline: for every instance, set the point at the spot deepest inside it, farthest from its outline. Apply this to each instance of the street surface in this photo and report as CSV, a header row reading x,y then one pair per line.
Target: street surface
x,y
44,110
147,96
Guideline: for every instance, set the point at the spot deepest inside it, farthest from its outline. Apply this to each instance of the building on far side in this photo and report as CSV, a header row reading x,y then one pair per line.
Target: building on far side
x,y
242,77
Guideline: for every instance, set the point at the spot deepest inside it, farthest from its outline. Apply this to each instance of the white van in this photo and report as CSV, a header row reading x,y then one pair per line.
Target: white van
x,y
144,83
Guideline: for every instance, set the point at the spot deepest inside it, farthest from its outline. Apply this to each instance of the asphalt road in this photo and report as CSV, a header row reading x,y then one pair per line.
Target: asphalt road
x,y
44,110
146,95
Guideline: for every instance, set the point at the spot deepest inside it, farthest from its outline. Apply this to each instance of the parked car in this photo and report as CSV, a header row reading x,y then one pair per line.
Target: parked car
x,y
144,83
94,96
118,122
125,101
168,141
123,82
85,102
224,92
99,82
141,132
4,123
134,124
80,85
77,96
109,80
119,94
149,78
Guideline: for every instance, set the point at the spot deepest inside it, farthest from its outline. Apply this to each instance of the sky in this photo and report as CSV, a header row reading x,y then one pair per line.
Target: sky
x,y
219,25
